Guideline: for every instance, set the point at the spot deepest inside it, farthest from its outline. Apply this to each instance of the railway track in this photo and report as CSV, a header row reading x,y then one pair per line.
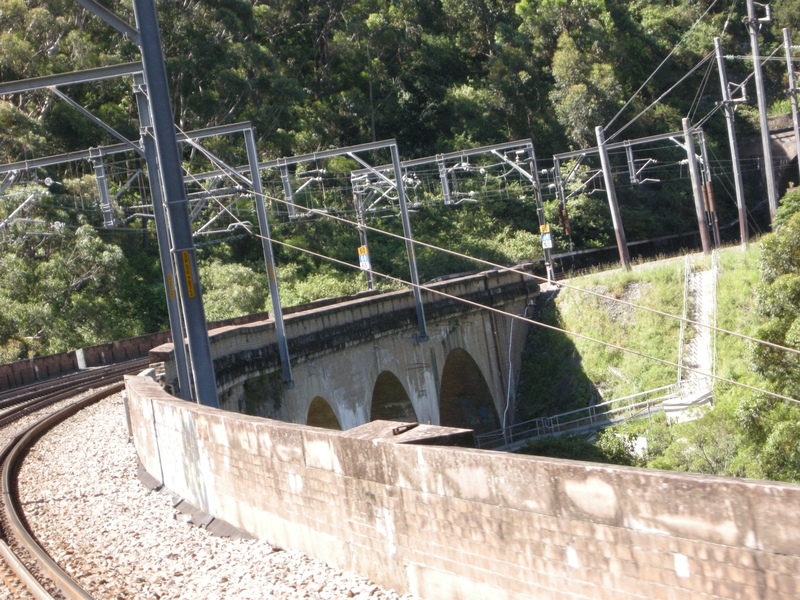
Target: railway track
x,y
26,568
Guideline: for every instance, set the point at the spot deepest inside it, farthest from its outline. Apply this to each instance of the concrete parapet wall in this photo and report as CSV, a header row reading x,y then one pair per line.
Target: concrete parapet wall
x,y
462,524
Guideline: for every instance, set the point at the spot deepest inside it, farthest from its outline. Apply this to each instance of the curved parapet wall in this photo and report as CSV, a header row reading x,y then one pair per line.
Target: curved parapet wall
x,y
449,523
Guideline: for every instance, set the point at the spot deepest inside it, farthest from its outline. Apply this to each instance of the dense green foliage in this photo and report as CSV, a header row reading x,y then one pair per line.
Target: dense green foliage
x,y
746,434
562,372
437,76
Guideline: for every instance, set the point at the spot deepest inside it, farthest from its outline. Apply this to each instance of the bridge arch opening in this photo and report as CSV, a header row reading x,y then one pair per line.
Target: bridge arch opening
x,y
465,399
390,402
320,414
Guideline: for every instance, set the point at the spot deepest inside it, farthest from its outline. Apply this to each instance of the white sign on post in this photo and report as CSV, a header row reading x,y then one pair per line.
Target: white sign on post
x,y
363,259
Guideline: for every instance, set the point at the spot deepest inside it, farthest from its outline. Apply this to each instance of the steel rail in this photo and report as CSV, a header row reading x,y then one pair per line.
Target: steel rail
x,y
15,526
22,394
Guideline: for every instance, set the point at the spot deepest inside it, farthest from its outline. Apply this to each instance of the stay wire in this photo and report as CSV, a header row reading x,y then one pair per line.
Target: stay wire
x,y
523,318
662,96
663,62
539,278
700,90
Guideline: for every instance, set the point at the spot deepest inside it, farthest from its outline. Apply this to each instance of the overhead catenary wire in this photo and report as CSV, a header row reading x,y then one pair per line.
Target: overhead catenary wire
x,y
681,80
700,90
662,96
532,276
657,69
425,288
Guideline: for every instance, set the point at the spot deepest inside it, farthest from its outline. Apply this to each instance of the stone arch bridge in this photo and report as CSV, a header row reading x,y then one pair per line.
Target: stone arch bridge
x,y
359,360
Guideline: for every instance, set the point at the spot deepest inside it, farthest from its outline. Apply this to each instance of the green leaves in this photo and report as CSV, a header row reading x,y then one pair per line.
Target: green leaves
x,y
585,91
778,302
57,291
231,290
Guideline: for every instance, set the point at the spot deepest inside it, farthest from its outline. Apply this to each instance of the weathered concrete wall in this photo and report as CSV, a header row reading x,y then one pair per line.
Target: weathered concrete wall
x,y
338,351
462,524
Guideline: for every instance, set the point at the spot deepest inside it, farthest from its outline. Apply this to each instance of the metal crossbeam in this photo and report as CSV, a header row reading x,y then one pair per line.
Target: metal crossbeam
x,y
37,83
314,156
407,164
112,19
207,132
637,142
57,159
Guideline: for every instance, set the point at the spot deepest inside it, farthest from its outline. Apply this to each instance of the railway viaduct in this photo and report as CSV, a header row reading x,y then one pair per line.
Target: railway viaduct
x,y
360,359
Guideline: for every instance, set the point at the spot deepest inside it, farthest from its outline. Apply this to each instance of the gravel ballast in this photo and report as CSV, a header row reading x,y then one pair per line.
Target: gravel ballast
x,y
84,502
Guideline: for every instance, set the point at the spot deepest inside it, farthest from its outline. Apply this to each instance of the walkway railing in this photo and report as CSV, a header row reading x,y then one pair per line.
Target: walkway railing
x,y
583,419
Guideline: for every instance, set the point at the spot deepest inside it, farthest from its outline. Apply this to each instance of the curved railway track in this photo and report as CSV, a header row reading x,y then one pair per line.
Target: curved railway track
x,y
28,570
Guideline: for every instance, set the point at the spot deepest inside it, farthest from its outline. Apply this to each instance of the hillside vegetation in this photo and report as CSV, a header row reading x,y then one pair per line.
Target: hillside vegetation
x,y
437,76
746,434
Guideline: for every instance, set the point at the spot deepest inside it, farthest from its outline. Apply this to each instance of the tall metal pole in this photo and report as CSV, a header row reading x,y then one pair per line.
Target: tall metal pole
x,y
727,107
358,199
708,191
162,235
611,192
544,228
562,201
752,26
787,44
694,172
269,257
169,160
412,258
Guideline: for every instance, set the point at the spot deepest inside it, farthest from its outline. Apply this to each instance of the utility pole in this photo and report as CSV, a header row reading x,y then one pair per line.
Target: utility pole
x,y
616,217
708,191
269,257
753,25
162,235
694,172
412,257
792,91
544,227
562,201
169,160
727,108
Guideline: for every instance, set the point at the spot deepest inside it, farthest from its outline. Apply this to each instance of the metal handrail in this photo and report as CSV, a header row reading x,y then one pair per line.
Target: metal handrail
x,y
540,426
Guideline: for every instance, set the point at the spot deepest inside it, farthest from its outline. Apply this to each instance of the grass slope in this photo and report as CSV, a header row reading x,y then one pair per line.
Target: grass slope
x,y
722,441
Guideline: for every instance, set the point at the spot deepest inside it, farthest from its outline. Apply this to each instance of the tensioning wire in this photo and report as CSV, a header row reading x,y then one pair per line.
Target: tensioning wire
x,y
662,96
543,279
408,241
653,74
533,321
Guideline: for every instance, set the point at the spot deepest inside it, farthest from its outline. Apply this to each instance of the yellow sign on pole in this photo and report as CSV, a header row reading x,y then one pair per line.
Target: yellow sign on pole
x,y
187,270
363,259
544,228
